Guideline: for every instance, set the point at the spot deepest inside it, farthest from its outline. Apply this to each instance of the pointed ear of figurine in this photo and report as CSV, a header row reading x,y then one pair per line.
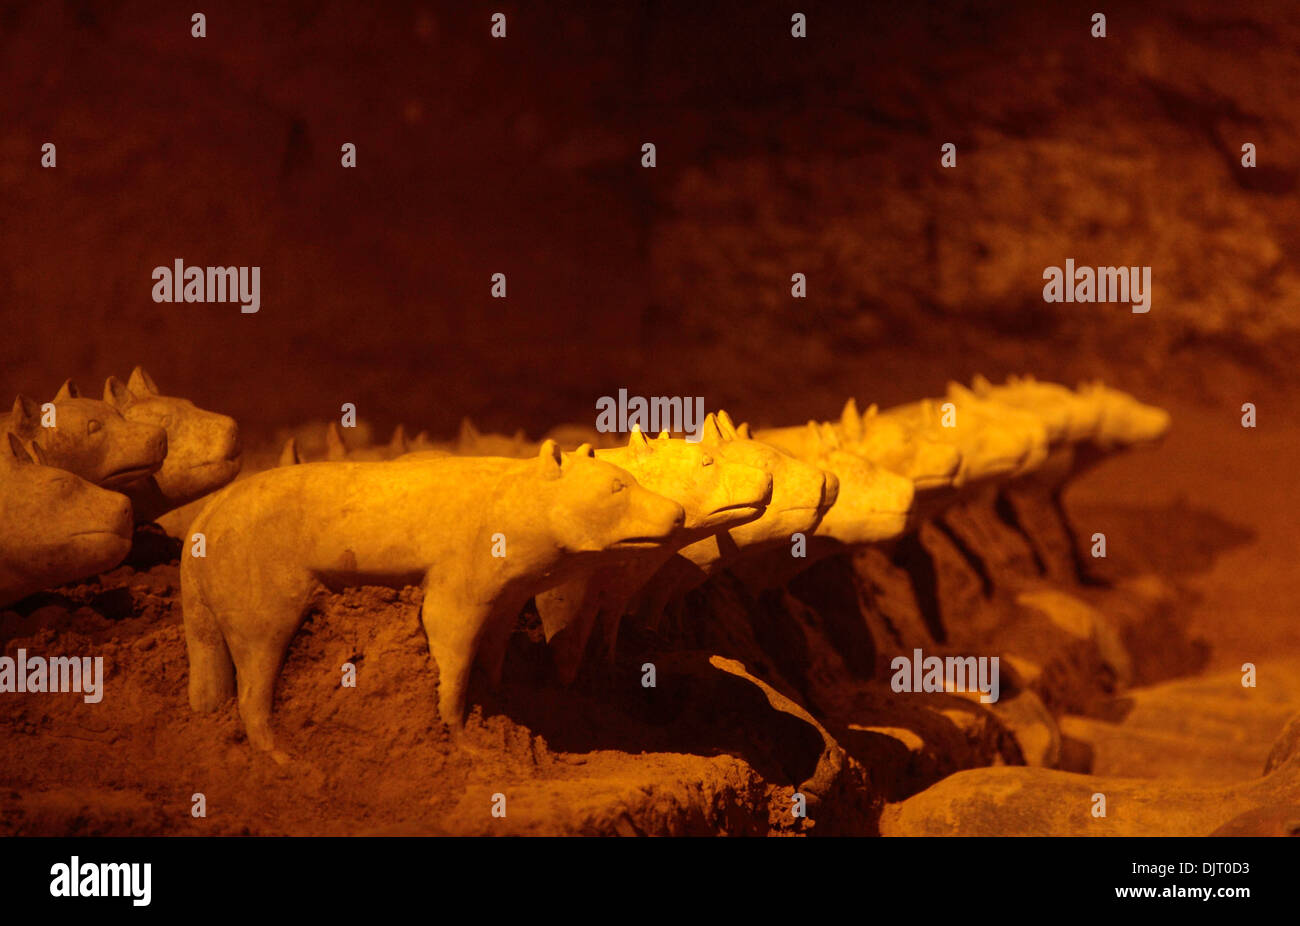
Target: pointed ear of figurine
x,y
663,435
710,432
289,455
727,426
548,459
743,432
468,433
585,450
830,440
17,452
398,444
851,419
335,448
980,385
958,391
637,442
141,383
68,390
116,393
25,415
38,453
872,411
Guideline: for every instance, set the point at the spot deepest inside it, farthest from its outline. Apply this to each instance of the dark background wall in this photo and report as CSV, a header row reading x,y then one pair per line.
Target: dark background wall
x,y
521,155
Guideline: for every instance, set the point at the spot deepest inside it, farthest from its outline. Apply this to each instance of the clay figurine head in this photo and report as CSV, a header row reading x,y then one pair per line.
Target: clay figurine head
x,y
888,442
597,506
89,438
873,502
801,493
989,448
1028,426
203,451
1123,420
714,492
1067,417
54,527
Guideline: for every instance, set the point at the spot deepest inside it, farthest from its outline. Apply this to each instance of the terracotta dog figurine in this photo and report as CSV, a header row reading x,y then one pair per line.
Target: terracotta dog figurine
x,y
203,450
801,496
54,527
90,439
1124,421
885,441
337,449
1068,417
872,507
716,495
1083,426
986,452
992,416
482,534
471,442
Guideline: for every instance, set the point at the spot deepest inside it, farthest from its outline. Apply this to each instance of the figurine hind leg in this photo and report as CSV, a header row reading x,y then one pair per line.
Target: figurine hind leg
x,y
258,648
212,672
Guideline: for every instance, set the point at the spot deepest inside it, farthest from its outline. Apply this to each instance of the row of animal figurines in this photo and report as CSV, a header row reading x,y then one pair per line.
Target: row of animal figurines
x,y
486,523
